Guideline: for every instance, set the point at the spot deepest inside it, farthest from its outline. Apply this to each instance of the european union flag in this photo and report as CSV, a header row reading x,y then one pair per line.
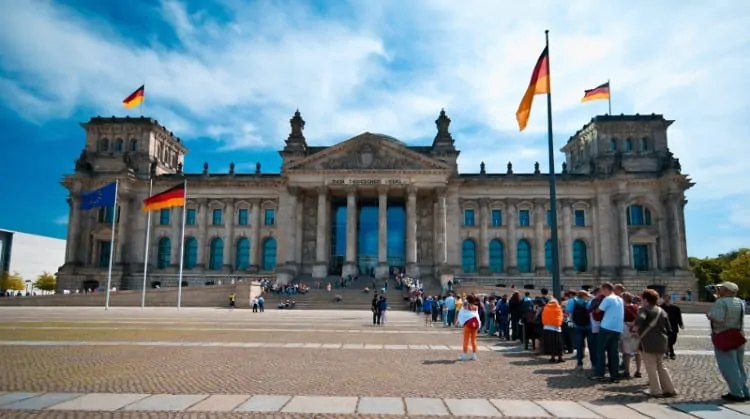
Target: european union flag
x,y
102,197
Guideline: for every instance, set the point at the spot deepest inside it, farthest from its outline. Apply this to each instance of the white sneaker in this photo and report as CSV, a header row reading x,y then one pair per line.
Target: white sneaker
x,y
462,357
473,357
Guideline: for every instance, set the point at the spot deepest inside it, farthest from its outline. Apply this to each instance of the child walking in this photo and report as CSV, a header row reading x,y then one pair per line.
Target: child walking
x,y
468,318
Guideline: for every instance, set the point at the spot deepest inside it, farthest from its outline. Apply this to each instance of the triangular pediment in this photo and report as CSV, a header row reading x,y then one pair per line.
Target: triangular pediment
x,y
368,151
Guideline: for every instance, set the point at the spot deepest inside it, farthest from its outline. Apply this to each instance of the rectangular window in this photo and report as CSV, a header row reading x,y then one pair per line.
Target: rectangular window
x,y
640,257
469,217
104,249
580,218
635,215
549,217
497,218
524,218
164,216
190,220
269,218
242,217
216,220
106,213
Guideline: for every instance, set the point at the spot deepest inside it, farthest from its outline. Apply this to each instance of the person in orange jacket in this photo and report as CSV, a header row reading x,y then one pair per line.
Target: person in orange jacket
x,y
552,319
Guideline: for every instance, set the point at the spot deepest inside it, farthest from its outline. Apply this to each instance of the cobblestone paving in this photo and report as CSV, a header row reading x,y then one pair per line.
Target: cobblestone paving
x,y
221,370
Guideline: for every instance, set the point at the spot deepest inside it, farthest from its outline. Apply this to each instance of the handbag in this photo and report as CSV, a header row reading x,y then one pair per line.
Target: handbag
x,y
636,340
730,339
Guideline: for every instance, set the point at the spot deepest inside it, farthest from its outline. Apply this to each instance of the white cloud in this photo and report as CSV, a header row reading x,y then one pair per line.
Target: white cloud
x,y
390,66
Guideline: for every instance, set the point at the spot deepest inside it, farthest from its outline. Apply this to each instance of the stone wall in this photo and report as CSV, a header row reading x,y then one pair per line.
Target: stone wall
x,y
209,296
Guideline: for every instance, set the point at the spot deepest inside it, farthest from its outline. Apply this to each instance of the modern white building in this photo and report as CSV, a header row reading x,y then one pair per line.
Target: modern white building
x,y
29,254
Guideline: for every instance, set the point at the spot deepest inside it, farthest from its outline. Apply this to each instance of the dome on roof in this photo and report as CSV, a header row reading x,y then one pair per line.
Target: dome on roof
x,y
389,138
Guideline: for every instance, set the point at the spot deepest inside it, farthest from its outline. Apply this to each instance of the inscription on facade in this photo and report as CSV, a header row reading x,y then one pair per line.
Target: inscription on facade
x,y
367,182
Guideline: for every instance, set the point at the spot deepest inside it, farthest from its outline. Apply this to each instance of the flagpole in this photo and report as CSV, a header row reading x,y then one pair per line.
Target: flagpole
x,y
609,96
182,245
148,240
143,100
111,247
552,186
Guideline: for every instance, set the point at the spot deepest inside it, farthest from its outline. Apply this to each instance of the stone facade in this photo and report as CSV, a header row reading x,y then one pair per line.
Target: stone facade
x,y
620,209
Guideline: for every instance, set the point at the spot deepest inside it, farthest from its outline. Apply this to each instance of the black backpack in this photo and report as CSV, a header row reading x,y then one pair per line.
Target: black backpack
x,y
581,316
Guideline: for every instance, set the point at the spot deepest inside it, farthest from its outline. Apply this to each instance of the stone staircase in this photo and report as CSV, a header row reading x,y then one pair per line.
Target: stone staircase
x,y
353,296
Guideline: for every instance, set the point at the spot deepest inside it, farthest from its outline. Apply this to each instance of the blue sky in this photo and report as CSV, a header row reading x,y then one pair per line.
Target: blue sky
x,y
226,76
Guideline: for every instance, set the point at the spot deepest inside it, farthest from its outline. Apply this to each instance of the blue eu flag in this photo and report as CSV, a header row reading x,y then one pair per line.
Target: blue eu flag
x,y
102,197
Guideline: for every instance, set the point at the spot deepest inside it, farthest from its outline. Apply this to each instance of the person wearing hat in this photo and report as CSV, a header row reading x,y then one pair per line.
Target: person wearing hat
x,y
727,314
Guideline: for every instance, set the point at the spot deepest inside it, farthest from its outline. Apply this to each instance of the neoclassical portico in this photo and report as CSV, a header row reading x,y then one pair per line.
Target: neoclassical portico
x,y
371,203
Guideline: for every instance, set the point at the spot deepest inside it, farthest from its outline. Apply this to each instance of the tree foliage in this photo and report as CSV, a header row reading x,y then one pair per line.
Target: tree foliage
x,y
45,282
733,266
12,281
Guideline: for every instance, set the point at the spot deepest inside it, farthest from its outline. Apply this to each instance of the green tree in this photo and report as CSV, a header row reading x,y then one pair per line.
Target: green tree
x,y
45,282
13,282
738,271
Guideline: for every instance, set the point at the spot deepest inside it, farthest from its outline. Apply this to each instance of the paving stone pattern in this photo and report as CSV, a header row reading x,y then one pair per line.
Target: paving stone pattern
x,y
361,406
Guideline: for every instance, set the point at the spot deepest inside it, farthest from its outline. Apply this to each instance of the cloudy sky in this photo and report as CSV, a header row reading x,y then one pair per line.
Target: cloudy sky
x,y
226,76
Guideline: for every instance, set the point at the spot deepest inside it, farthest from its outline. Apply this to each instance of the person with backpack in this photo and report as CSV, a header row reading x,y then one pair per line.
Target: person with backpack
x,y
529,313
578,307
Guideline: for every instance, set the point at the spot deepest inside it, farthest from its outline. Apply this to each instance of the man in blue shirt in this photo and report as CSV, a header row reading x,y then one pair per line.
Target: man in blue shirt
x,y
450,308
609,334
578,309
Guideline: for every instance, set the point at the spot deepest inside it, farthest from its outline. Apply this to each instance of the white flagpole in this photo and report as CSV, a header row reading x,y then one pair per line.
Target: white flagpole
x,y
111,247
148,240
182,245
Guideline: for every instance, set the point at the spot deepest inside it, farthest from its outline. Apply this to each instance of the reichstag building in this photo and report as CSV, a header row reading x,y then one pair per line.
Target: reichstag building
x,y
372,204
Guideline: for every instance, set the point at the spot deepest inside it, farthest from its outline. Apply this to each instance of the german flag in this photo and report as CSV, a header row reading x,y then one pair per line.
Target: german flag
x,y
538,85
135,98
172,197
597,93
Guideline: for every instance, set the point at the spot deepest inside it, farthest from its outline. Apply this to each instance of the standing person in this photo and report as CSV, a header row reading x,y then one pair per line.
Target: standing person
x,y
652,326
626,341
552,320
578,309
232,300
375,310
675,322
468,318
450,310
727,319
382,308
515,312
502,311
489,314
427,309
609,334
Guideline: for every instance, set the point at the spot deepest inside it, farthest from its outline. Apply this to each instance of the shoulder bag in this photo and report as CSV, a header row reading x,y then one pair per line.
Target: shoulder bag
x,y
636,340
730,339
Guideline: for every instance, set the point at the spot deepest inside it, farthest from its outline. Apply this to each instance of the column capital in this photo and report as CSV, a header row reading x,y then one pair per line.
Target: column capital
x,y
484,202
511,202
351,190
202,201
383,190
441,191
229,201
620,199
540,202
566,203
255,202
322,190
411,190
293,190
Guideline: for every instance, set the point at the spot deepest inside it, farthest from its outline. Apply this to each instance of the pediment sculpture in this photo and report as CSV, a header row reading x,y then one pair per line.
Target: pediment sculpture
x,y
369,157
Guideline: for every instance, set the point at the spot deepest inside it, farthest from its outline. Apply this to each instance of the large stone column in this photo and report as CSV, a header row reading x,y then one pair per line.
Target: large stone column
x,y
175,231
382,269
230,248
412,268
441,257
291,242
622,227
567,247
675,206
510,241
255,244
203,220
665,258
320,269
350,265
540,218
122,254
484,245
299,233
72,240
595,265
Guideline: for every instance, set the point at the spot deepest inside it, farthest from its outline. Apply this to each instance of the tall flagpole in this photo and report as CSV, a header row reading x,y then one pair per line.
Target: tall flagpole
x,y
148,240
112,247
143,100
182,245
609,96
552,187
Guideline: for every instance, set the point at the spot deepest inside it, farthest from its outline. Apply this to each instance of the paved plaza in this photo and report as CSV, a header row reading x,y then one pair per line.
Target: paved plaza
x,y
217,363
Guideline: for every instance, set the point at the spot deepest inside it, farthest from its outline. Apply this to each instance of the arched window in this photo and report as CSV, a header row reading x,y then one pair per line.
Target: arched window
x,y
548,255
104,145
242,257
580,259
644,144
216,257
269,254
628,145
496,256
638,215
164,253
469,256
119,145
613,144
191,253
523,254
